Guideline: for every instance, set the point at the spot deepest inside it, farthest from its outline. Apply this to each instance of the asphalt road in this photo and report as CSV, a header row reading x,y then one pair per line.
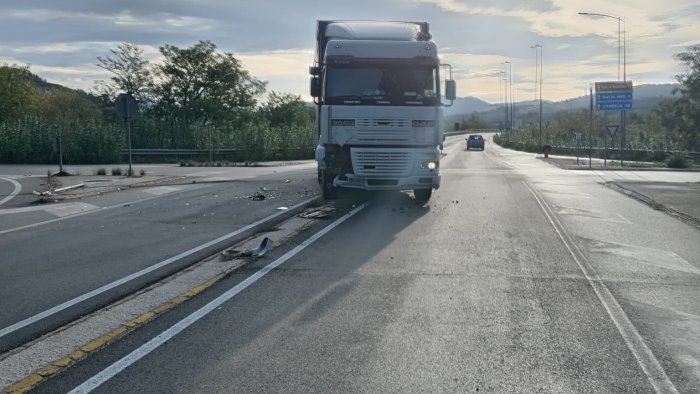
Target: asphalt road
x,y
54,253
516,277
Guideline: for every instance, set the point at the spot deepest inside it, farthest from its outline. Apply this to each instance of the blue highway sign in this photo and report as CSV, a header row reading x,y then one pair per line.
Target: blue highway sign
x,y
613,96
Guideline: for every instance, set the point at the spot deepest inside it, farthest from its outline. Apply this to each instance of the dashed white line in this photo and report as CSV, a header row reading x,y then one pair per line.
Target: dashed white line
x,y
111,371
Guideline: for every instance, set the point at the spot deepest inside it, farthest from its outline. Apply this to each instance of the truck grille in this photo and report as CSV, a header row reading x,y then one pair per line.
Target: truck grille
x,y
382,130
380,163
384,123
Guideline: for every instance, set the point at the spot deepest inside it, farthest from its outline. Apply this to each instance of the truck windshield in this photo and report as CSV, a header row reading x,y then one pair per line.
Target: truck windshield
x,y
382,85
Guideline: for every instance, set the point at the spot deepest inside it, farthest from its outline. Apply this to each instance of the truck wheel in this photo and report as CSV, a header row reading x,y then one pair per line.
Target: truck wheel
x,y
422,195
330,192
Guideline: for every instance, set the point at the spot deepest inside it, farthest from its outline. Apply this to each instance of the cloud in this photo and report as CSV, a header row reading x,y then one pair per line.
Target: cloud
x,y
274,38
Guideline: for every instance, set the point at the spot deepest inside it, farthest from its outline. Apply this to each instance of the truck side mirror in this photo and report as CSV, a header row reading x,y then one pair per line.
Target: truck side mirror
x,y
450,90
315,87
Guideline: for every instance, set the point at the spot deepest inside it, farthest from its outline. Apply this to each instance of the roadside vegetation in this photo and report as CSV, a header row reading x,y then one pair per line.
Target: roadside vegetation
x,y
665,134
196,98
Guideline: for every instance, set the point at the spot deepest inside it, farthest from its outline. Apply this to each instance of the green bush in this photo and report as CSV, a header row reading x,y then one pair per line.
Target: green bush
x,y
116,171
101,171
677,161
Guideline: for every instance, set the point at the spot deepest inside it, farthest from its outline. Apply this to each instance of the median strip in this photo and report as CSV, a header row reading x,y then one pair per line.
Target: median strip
x,y
26,367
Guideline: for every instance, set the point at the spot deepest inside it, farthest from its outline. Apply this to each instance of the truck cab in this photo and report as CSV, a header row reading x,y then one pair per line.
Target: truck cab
x,y
377,91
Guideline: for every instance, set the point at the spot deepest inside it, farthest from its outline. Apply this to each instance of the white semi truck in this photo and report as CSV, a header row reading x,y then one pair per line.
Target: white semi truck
x,y
376,86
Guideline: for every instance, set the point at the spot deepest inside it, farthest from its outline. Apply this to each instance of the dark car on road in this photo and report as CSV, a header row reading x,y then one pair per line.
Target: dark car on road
x,y
475,141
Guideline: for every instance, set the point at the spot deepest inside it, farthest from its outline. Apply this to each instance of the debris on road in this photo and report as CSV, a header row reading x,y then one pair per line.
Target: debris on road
x,y
257,196
318,212
282,208
264,247
53,192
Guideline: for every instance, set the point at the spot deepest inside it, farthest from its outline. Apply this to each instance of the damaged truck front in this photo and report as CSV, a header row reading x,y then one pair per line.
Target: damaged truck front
x,y
376,86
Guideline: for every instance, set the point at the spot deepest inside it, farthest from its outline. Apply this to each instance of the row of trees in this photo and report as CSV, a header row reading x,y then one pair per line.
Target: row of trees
x,y
674,125
194,98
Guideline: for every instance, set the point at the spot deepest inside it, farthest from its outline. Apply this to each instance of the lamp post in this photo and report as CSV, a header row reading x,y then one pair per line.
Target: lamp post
x,y
509,81
540,63
506,125
620,48
501,78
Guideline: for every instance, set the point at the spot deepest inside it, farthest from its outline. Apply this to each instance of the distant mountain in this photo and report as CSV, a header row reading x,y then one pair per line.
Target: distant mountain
x,y
646,97
468,105
42,84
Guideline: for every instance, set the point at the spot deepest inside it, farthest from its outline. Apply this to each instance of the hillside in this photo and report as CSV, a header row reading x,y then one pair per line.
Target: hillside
x,y
646,97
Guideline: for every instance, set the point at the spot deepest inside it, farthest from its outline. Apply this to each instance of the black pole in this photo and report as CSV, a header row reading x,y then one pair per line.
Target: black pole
x,y
60,153
128,127
590,132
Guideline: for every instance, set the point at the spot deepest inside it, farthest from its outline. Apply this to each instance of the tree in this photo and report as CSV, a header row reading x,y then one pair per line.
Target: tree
x,y
132,72
200,83
66,104
286,109
17,93
687,108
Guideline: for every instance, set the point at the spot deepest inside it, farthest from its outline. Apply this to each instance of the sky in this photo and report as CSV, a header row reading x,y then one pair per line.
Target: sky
x,y
274,39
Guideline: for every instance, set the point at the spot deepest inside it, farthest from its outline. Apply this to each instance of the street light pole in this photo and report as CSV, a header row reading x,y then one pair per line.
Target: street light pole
x,y
506,125
620,20
536,46
509,66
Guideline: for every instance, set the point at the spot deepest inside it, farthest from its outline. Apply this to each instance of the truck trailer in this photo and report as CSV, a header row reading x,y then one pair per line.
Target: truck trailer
x,y
376,86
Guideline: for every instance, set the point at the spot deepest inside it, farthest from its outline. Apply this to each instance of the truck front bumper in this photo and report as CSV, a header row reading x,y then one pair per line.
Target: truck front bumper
x,y
405,183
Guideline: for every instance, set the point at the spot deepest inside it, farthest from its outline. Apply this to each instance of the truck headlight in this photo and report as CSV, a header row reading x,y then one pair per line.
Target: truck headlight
x,y
431,165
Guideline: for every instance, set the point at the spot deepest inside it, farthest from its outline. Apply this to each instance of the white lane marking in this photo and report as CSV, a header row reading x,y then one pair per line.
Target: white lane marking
x,y
217,179
106,374
595,214
68,217
162,190
58,308
17,189
60,210
68,209
204,173
643,255
634,341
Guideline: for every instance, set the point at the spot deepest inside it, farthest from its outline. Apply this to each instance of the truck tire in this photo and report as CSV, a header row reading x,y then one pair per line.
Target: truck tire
x,y
422,195
330,192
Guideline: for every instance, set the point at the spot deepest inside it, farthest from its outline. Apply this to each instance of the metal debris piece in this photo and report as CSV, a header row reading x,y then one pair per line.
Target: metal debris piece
x,y
257,196
282,208
318,212
53,192
265,246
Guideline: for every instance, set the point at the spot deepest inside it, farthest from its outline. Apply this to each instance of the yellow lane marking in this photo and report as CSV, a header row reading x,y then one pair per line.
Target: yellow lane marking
x,y
59,365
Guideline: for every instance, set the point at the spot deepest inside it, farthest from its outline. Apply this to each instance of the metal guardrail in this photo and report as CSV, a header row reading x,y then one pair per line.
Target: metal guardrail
x,y
194,152
471,131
